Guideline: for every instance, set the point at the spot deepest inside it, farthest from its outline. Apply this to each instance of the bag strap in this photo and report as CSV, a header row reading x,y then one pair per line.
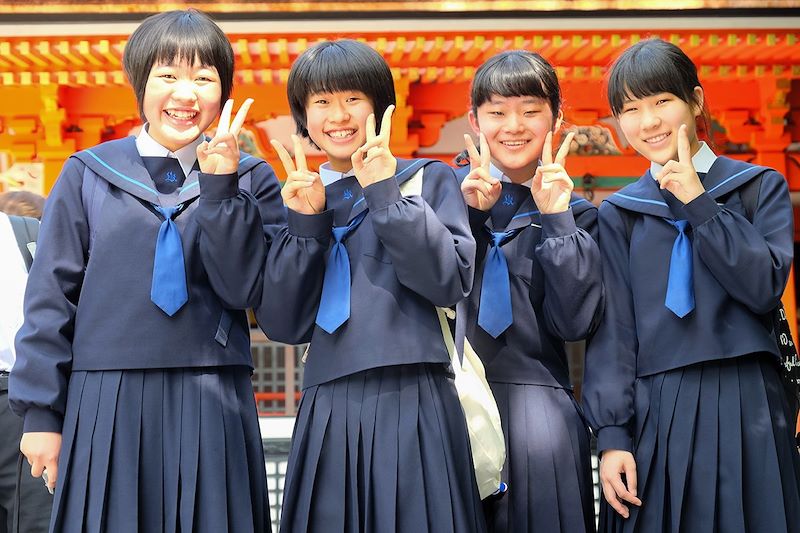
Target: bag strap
x,y
26,231
749,193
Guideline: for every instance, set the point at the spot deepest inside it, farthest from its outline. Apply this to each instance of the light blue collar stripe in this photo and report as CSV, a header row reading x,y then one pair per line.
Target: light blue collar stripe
x,y
121,175
358,201
528,213
734,176
643,200
578,201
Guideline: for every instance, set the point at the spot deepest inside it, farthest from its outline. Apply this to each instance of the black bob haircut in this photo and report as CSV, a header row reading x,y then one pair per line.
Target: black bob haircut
x,y
177,35
516,73
338,66
651,67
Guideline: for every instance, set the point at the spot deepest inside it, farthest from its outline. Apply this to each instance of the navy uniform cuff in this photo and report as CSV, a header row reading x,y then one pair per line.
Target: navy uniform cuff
x,y
316,226
382,194
39,419
558,224
218,187
701,210
614,438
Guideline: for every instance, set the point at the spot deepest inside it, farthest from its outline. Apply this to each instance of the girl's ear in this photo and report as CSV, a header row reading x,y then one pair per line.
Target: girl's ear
x,y
699,98
473,122
559,119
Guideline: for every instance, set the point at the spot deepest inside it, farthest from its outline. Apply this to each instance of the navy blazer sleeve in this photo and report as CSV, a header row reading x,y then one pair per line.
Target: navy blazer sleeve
x,y
610,370
428,237
293,275
237,226
572,275
38,383
734,249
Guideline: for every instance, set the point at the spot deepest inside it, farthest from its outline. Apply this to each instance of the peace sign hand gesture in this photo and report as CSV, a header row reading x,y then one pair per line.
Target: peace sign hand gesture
x,y
221,154
479,188
679,177
551,186
374,161
303,191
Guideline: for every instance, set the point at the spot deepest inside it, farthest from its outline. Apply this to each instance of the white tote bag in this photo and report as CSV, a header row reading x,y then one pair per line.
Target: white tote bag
x,y
480,410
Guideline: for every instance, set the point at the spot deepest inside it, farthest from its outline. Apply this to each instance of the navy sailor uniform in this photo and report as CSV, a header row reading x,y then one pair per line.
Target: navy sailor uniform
x,y
157,415
556,294
698,399
380,442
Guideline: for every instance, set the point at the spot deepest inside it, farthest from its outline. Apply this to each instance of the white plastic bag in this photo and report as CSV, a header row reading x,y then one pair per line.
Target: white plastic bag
x,y
480,410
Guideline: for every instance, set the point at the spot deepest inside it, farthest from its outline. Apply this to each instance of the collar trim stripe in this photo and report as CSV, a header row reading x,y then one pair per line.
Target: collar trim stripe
x,y
121,175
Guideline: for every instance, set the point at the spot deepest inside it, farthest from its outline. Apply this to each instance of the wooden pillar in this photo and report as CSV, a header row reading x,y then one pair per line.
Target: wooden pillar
x,y
52,148
403,144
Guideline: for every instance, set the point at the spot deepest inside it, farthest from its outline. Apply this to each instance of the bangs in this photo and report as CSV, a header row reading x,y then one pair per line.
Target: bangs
x,y
332,70
186,46
516,73
647,69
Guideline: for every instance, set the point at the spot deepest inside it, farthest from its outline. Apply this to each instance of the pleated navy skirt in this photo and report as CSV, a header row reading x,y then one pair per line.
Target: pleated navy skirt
x,y
161,451
384,450
548,463
714,451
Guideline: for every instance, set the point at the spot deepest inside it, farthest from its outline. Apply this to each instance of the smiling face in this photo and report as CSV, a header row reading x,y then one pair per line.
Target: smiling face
x,y
651,123
515,128
180,102
336,124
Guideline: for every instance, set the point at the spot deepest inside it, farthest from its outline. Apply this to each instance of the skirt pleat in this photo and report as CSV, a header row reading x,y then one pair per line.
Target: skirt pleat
x,y
548,463
101,453
123,492
384,450
161,451
714,452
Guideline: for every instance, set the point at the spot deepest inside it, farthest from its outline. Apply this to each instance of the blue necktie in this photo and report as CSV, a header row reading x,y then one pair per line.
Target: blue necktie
x,y
494,312
334,305
168,290
680,287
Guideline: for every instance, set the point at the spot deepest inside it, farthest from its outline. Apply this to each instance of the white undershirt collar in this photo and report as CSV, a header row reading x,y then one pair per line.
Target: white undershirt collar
x,y
702,160
149,147
328,175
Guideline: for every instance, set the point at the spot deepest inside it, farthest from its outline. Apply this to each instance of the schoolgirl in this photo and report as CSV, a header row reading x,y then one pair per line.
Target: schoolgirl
x,y
373,244
133,368
682,382
537,284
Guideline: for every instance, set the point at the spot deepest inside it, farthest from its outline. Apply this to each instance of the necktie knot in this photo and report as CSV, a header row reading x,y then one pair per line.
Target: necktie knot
x,y
167,212
339,233
498,238
680,225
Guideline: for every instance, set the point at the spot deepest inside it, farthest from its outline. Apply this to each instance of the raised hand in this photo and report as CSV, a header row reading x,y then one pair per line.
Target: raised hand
x,y
679,177
479,188
221,154
303,191
374,161
551,186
